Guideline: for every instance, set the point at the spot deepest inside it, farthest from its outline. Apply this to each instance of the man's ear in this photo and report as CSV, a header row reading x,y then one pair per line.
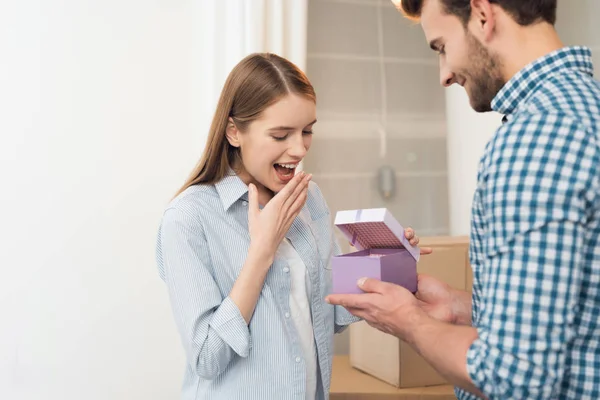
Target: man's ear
x,y
483,19
232,133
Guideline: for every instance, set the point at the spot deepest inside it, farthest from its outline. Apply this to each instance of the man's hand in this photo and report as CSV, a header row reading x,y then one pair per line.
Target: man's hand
x,y
391,308
385,306
419,320
442,302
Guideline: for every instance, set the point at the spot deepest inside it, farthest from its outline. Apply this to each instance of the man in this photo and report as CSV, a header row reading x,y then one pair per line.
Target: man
x,y
531,328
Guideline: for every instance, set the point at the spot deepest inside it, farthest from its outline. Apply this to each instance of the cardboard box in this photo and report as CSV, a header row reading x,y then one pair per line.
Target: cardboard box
x,y
391,360
348,383
384,252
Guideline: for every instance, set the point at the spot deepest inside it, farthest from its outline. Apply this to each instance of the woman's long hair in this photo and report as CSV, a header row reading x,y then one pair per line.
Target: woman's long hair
x,y
255,83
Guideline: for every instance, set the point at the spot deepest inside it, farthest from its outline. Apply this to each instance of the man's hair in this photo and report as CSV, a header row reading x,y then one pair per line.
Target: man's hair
x,y
524,12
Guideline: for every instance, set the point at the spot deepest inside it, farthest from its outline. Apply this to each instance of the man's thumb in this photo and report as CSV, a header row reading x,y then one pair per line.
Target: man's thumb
x,y
370,285
363,284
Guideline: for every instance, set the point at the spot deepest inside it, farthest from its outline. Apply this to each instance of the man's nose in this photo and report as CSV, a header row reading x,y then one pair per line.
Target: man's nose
x,y
447,78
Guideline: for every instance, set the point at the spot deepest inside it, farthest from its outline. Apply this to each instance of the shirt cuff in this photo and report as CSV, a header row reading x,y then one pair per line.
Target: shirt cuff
x,y
481,359
229,324
343,317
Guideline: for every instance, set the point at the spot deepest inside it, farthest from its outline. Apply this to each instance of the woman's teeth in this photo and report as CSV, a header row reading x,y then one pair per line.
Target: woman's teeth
x,y
290,166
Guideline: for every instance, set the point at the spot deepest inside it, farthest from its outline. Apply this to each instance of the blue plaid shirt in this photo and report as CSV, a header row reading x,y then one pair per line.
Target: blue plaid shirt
x,y
535,237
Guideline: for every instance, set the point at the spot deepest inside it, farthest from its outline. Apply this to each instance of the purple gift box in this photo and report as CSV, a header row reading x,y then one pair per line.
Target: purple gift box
x,y
384,252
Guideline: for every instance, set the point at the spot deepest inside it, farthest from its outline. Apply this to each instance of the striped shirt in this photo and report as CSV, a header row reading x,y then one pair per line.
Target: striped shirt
x,y
300,309
535,237
202,245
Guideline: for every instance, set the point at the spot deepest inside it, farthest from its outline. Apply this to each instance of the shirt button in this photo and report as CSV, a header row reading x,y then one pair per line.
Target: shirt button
x,y
287,314
286,269
245,203
298,359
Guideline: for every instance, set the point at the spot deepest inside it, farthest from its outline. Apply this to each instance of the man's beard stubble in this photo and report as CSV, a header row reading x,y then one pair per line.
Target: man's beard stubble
x,y
484,76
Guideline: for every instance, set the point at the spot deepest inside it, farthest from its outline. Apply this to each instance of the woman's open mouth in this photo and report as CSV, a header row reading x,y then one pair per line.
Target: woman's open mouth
x,y
285,172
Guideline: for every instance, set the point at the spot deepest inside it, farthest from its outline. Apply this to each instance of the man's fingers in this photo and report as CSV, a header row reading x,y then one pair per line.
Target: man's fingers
x,y
355,301
371,285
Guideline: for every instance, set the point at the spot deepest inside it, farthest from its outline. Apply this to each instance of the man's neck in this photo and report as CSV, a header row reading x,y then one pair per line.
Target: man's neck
x,y
526,45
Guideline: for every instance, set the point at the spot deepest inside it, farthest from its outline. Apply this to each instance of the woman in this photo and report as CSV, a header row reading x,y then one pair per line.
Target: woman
x,y
244,247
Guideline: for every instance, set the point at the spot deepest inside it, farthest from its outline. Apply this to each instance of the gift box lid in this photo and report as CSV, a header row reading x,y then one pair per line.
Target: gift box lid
x,y
373,228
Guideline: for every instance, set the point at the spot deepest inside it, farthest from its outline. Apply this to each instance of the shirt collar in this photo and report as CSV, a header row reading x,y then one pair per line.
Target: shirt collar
x,y
517,89
231,189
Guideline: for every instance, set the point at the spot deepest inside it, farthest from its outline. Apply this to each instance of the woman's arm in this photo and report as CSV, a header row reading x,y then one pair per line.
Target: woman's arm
x,y
212,328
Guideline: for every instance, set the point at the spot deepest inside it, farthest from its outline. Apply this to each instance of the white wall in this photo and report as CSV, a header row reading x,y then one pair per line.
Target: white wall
x,y
468,133
100,120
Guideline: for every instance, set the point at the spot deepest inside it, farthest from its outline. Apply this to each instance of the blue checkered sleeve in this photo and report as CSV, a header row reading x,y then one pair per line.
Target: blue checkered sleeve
x,y
541,175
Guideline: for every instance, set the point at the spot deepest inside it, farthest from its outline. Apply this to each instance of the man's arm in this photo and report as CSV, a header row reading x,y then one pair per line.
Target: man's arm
x,y
444,346
537,199
394,310
538,195
531,276
519,347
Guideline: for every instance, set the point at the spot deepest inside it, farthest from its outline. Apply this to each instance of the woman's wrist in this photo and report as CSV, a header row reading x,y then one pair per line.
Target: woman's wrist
x,y
260,256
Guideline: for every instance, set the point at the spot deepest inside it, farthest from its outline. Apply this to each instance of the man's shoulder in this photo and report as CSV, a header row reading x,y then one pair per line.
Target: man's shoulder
x,y
549,128
539,142
570,94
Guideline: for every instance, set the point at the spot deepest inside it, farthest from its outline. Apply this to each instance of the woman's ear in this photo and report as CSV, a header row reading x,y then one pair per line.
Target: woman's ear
x,y
232,133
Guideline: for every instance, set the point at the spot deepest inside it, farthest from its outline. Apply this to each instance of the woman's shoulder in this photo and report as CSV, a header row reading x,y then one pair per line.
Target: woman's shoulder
x,y
193,202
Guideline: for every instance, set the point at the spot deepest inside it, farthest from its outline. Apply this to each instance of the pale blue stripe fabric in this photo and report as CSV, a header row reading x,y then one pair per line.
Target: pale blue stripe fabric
x,y
202,244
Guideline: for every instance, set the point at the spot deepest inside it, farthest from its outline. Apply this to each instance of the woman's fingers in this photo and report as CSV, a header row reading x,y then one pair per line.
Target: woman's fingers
x,y
288,190
301,187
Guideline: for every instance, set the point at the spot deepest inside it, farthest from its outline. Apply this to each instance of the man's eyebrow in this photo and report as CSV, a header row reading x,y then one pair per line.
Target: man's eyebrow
x,y
435,44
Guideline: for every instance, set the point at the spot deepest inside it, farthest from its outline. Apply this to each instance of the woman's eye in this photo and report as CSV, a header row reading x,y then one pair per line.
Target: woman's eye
x,y
280,138
307,132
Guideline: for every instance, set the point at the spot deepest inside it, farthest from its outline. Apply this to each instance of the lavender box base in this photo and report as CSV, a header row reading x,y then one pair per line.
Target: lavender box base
x,y
389,265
